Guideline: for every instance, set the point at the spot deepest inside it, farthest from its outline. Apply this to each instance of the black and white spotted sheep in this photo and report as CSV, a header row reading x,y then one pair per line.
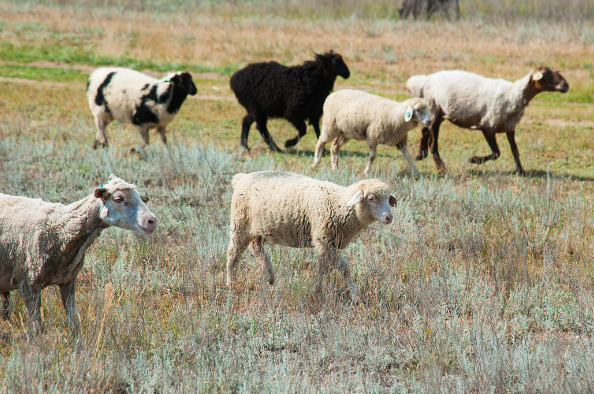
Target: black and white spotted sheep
x,y
132,97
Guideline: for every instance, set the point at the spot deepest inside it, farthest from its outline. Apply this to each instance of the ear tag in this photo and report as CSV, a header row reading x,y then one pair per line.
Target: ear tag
x,y
537,76
408,114
168,80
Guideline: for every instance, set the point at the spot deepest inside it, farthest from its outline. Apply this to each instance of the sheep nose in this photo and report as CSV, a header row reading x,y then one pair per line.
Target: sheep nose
x,y
152,222
388,217
563,87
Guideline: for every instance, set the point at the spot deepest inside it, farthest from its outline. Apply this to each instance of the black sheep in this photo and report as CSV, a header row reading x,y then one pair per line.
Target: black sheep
x,y
295,93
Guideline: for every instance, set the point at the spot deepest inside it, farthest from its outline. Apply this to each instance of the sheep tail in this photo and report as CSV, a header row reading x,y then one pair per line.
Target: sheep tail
x,y
415,85
237,178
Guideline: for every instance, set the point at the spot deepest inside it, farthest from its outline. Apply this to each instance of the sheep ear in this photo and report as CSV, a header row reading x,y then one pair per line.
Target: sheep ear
x,y
357,197
408,114
144,199
112,176
537,76
392,200
100,192
322,57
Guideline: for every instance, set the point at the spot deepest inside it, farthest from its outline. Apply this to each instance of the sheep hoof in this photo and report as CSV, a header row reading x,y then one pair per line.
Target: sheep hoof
x,y
475,160
522,172
291,143
276,149
98,144
422,155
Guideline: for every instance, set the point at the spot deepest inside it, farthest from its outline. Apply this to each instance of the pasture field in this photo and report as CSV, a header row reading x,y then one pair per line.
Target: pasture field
x,y
483,283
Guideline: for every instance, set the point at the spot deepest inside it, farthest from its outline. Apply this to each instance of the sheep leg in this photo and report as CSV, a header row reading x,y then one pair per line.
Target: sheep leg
x,y
344,269
67,293
511,137
315,122
323,265
144,133
6,305
411,164
261,121
434,136
161,131
372,156
301,129
259,253
32,298
424,144
245,130
234,253
335,148
322,141
101,139
492,141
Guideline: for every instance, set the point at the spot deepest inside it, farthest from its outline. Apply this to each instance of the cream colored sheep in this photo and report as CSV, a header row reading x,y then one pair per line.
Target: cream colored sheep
x,y
43,244
131,97
354,114
293,210
472,101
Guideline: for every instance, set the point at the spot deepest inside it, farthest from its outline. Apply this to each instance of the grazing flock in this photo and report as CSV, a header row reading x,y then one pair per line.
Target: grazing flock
x,y
44,244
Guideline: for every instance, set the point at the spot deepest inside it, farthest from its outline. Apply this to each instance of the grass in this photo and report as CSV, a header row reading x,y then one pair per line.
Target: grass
x,y
484,283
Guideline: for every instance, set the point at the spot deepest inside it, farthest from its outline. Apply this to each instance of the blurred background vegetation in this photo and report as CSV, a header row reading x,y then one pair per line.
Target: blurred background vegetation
x,y
490,10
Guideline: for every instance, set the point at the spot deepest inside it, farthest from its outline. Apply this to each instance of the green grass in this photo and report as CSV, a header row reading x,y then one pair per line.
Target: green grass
x,y
67,53
42,73
484,282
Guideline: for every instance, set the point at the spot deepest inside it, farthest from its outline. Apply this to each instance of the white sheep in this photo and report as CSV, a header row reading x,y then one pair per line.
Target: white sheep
x,y
472,101
293,210
129,96
43,244
354,114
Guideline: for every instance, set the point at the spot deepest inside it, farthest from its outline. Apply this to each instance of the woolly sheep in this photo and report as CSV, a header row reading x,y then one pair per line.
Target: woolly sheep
x,y
472,101
295,93
354,114
44,244
293,210
129,96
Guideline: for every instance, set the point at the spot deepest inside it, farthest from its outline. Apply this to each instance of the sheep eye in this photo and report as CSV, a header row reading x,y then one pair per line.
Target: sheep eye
x,y
118,199
371,197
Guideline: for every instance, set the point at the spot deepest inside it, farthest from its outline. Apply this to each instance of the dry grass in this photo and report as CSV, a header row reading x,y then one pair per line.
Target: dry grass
x,y
483,284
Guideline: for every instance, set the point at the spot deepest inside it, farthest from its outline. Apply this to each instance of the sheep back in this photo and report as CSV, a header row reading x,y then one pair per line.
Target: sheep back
x,y
129,96
271,88
32,234
294,210
360,115
470,100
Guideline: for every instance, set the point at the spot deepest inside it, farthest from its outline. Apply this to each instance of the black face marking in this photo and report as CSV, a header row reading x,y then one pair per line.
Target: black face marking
x,y
143,114
145,87
182,86
100,97
165,95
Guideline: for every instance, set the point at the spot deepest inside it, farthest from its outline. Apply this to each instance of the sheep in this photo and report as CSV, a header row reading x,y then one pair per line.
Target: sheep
x,y
354,114
293,210
472,101
129,96
44,244
295,93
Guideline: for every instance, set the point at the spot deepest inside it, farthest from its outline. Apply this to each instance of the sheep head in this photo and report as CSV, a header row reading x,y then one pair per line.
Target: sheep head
x,y
185,81
418,110
372,200
546,79
334,62
122,206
